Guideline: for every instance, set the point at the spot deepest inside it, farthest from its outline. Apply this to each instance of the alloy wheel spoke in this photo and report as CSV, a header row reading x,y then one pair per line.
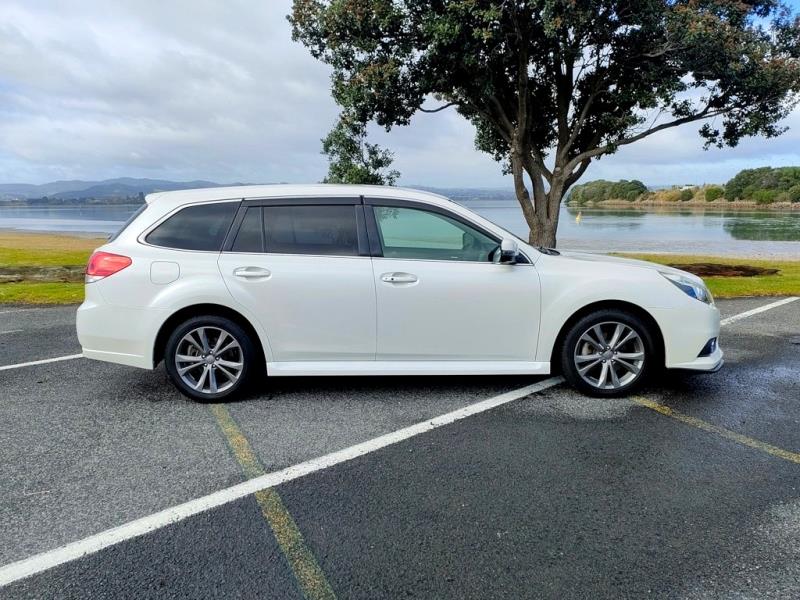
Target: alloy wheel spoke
x,y
598,331
187,358
587,357
630,355
186,369
616,335
230,364
228,374
223,335
201,333
202,380
601,381
629,366
212,380
630,335
230,346
589,339
614,378
583,370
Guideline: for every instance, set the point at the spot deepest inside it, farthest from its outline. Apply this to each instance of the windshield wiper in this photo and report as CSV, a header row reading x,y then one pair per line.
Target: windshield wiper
x,y
548,251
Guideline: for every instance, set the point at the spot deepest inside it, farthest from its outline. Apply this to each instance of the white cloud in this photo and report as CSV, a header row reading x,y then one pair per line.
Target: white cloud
x,y
219,91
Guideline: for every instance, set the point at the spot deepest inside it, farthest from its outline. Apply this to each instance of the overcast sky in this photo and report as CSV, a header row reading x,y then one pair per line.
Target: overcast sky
x,y
217,90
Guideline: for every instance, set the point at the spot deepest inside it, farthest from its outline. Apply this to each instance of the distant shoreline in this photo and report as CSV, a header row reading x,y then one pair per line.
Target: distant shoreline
x,y
720,204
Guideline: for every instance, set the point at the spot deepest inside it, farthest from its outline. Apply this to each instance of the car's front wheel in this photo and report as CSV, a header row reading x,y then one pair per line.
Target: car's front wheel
x,y
608,353
210,358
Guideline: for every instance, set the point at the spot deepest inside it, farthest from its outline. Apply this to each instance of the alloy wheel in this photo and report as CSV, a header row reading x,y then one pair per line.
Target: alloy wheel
x,y
609,355
209,360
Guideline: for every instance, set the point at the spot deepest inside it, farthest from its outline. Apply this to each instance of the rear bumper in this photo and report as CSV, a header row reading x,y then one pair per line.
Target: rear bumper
x,y
117,334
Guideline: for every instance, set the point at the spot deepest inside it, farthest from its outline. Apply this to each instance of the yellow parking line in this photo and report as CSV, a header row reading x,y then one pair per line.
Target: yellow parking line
x,y
306,570
721,431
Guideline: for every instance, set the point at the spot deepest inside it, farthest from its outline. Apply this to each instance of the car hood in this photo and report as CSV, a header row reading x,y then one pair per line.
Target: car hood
x,y
618,260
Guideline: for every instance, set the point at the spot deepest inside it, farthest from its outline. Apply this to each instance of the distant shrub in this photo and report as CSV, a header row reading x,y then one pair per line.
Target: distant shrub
x,y
794,193
782,197
686,195
713,192
597,191
671,196
764,196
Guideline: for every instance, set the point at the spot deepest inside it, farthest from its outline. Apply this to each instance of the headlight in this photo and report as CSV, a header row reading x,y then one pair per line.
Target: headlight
x,y
688,286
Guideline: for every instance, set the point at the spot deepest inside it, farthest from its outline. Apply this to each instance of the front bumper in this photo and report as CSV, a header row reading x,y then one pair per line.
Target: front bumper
x,y
708,364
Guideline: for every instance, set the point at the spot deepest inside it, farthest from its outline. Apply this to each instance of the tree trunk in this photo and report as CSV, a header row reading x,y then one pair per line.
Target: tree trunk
x,y
545,225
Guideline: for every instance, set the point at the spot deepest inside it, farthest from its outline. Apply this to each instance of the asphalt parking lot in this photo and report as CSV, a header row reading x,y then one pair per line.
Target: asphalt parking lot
x,y
689,490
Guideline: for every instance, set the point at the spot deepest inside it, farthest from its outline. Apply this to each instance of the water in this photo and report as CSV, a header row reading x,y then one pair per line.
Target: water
x,y
767,234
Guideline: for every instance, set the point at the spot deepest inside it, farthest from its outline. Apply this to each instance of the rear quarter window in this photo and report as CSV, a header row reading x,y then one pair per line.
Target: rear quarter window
x,y
199,227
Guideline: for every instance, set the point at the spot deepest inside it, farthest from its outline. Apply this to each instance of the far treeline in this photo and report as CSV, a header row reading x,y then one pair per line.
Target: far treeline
x,y
765,185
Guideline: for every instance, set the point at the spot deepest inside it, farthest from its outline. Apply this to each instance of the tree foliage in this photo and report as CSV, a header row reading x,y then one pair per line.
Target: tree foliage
x,y
600,189
552,85
764,185
351,159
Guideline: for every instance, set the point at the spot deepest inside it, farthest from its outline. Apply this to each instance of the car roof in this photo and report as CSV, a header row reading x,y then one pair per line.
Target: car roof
x,y
327,190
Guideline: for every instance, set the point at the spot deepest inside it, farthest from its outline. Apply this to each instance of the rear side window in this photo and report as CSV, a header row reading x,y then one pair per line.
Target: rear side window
x,y
200,227
250,237
321,230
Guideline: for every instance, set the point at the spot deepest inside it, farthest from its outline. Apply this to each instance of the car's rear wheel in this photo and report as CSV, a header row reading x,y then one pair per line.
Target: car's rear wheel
x,y
210,358
608,353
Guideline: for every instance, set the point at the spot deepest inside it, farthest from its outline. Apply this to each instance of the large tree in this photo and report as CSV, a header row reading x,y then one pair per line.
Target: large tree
x,y
351,159
552,85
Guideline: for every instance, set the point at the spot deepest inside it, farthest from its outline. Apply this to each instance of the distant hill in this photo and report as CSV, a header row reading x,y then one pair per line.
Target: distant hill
x,y
109,189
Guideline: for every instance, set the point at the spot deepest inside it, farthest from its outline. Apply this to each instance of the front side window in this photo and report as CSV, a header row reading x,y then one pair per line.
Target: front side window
x,y
320,230
199,227
412,233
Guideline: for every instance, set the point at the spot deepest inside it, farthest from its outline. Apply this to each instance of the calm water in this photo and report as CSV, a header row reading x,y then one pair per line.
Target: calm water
x,y
768,234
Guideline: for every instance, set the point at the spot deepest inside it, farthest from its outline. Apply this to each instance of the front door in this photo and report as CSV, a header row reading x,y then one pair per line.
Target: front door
x,y
304,270
441,297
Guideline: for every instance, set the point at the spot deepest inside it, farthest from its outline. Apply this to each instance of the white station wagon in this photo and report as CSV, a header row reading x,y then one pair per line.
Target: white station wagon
x,y
231,285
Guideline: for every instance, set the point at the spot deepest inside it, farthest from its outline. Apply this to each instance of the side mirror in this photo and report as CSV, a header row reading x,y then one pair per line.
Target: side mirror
x,y
508,251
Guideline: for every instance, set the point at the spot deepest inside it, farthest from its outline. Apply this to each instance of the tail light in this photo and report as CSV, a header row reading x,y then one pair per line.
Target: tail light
x,y
103,264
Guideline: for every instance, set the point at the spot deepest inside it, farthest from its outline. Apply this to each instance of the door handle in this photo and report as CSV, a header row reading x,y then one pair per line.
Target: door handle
x,y
398,278
251,273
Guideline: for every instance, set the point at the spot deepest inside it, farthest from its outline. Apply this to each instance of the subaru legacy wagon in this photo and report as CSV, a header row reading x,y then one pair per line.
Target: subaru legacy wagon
x,y
231,285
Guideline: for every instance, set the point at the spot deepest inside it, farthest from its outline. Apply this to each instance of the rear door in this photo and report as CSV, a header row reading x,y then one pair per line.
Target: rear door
x,y
303,266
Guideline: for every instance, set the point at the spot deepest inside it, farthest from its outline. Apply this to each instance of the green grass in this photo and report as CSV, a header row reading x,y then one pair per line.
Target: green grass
x,y
785,283
41,293
36,249
43,250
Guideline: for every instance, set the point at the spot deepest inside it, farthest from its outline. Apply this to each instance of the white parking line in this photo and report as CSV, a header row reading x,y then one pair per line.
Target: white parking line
x,y
40,362
755,311
10,331
47,560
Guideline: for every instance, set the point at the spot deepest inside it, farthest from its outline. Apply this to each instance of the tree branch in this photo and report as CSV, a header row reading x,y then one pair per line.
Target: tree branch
x,y
703,114
435,110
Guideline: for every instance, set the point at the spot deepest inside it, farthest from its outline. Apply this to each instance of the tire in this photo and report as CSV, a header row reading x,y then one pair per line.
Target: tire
x,y
218,369
594,366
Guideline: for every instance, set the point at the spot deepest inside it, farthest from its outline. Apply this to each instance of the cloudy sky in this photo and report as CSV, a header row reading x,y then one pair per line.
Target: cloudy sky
x,y
217,90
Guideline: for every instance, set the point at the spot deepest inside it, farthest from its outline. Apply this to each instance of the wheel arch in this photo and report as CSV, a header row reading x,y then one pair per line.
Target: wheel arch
x,y
200,310
635,309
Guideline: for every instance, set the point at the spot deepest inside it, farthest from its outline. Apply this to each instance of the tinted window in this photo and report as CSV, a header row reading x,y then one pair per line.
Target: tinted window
x,y
200,227
419,234
329,229
250,237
